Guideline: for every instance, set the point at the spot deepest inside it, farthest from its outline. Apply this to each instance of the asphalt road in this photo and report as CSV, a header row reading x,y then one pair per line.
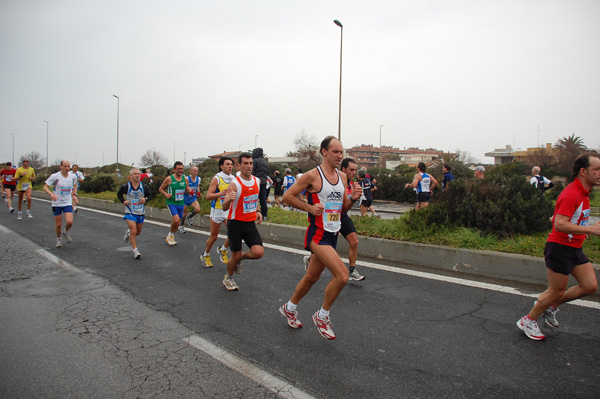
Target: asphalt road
x,y
397,335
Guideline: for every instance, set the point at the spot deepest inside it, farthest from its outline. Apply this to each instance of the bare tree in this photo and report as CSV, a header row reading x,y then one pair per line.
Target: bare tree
x,y
307,151
36,161
153,158
466,158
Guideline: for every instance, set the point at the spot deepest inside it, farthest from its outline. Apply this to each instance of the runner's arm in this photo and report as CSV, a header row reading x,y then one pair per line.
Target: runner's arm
x,y
563,224
164,185
212,193
290,196
122,191
229,196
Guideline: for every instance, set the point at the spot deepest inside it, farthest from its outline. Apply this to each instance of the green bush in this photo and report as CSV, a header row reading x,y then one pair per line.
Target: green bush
x,y
391,188
99,183
497,204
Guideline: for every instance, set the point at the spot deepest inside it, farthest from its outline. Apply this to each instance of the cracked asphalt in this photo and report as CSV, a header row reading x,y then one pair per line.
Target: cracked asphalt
x,y
115,327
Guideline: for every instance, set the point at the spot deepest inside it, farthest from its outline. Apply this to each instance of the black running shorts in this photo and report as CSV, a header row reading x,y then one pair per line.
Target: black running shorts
x,y
563,258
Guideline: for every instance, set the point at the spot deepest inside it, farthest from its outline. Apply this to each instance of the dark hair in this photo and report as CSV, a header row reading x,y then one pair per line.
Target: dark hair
x,y
325,143
299,170
244,155
448,167
222,161
9,164
176,164
362,173
582,161
346,162
422,167
143,170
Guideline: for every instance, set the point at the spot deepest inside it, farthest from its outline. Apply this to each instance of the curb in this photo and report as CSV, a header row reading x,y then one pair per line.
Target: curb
x,y
511,267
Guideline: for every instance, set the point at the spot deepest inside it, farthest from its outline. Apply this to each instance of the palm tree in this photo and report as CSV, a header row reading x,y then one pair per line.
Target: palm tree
x,y
568,149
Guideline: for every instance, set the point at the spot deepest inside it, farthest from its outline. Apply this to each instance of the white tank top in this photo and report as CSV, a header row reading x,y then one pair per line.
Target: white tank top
x,y
332,198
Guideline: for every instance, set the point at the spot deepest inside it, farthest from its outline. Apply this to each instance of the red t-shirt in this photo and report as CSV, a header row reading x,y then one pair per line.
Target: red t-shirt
x,y
9,177
573,202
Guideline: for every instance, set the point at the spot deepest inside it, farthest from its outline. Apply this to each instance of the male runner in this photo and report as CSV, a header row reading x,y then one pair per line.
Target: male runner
x,y
174,188
367,196
63,195
134,196
242,202
423,184
216,194
448,176
563,251
191,198
9,184
288,181
80,178
540,182
348,229
25,176
327,200
278,188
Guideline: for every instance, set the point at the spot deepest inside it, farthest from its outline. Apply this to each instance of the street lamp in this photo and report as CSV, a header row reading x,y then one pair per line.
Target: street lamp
x,y
255,137
118,108
47,129
13,148
338,23
380,126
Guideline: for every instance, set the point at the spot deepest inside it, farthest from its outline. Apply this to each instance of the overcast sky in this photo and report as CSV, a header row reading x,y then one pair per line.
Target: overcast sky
x,y
203,77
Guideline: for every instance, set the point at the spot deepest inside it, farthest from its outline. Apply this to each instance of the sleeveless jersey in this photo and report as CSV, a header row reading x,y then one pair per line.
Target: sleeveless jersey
x,y
177,189
134,196
289,181
243,207
423,185
223,182
193,187
332,198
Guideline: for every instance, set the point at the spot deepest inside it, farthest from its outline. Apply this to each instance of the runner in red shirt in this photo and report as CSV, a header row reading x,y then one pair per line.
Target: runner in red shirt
x,y
9,184
563,251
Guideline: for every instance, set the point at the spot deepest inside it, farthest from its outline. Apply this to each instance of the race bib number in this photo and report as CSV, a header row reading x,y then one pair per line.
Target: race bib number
x,y
179,194
65,191
136,204
332,216
25,186
8,178
250,203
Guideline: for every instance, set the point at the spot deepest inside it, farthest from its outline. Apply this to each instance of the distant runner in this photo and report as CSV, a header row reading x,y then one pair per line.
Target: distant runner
x,y
134,196
63,195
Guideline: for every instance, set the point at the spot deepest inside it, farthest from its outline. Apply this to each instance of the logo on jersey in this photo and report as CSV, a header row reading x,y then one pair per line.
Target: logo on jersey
x,y
334,197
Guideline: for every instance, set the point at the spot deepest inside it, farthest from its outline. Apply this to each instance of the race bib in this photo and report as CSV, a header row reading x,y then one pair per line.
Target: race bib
x,y
136,204
8,178
250,203
65,191
179,193
332,216
25,186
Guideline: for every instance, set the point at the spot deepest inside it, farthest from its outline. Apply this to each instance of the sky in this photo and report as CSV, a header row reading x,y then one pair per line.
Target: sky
x,y
196,78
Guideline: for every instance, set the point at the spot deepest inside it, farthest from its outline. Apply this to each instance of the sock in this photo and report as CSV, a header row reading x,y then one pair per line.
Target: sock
x,y
290,306
351,269
205,254
229,277
191,215
323,313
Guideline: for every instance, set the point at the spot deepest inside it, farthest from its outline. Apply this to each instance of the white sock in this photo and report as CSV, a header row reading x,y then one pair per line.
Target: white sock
x,y
323,313
205,254
290,306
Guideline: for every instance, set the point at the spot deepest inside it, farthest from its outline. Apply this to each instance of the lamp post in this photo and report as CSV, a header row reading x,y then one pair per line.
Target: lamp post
x,y
380,126
255,138
118,108
13,149
338,23
47,136
174,160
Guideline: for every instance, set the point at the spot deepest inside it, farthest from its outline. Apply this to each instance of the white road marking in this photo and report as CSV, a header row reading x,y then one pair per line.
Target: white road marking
x,y
273,383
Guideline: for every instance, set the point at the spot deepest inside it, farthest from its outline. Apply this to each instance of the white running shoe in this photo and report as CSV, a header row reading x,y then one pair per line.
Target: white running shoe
x,y
29,215
550,316
292,317
126,236
189,220
67,236
324,326
11,210
136,253
171,240
306,260
19,216
230,284
181,229
58,243
530,328
356,276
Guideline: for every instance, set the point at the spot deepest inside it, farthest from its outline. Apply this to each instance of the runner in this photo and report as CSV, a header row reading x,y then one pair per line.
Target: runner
x,y
9,184
423,184
63,195
288,181
325,187
134,196
367,196
191,198
348,229
241,200
216,194
25,176
80,178
277,188
174,188
563,251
